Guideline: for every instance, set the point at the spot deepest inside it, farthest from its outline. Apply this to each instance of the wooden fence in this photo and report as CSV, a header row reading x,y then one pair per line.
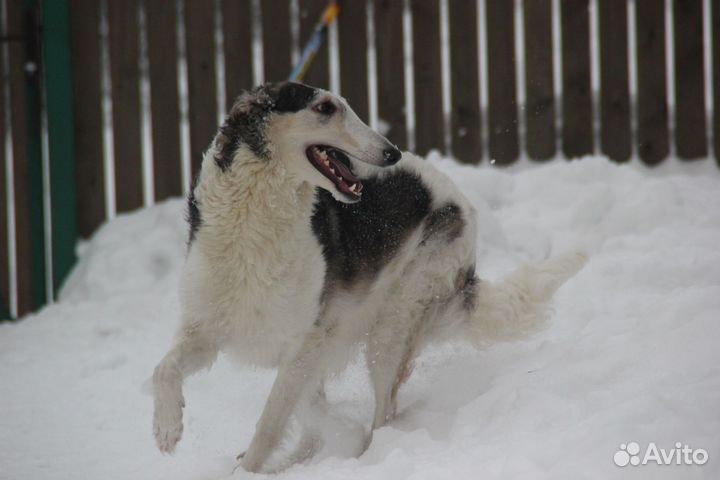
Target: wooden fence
x,y
485,79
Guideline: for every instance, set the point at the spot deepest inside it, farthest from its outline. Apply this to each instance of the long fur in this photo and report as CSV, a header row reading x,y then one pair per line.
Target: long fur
x,y
285,270
518,305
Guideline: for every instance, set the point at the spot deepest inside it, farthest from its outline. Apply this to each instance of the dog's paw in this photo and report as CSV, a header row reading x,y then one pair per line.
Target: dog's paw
x,y
242,464
167,425
254,459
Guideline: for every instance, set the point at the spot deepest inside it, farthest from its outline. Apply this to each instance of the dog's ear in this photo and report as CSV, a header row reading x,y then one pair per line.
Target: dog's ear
x,y
259,100
244,124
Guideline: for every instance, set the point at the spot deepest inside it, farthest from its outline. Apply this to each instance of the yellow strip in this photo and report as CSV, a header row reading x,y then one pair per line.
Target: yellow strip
x,y
330,13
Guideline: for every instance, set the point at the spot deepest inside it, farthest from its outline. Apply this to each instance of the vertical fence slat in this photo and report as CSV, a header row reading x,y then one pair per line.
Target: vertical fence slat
x,y
353,56
318,75
237,44
89,171
124,75
715,26
577,135
614,84
30,266
465,121
276,39
200,41
390,69
165,111
428,75
502,104
4,254
652,109
539,87
690,127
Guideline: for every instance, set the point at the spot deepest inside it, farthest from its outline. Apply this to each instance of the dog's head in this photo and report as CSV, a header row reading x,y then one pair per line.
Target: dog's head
x,y
314,132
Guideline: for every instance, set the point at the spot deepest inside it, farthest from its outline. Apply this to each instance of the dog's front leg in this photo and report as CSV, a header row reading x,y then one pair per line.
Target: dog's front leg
x,y
191,352
294,380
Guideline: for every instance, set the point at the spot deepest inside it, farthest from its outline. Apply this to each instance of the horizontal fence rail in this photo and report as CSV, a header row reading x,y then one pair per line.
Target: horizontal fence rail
x,y
485,80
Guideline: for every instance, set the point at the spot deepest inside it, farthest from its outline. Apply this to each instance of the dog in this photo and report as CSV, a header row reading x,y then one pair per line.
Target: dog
x,y
310,233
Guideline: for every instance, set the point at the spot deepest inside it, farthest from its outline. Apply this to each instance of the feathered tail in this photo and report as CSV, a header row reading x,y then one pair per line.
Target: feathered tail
x,y
518,304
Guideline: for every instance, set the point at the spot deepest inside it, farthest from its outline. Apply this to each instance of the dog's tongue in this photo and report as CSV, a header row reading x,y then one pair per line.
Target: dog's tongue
x,y
343,171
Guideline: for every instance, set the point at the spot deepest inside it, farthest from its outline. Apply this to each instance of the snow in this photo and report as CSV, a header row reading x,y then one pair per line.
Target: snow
x,y
631,354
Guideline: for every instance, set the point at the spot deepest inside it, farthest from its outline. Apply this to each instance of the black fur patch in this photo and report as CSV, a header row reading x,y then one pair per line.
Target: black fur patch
x,y
292,97
359,239
194,218
467,285
446,222
248,118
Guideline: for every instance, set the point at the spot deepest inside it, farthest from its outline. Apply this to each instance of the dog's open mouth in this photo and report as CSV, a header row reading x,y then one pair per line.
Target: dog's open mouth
x,y
335,165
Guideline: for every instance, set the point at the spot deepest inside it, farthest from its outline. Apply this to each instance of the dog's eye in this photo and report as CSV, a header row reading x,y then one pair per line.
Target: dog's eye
x,y
325,108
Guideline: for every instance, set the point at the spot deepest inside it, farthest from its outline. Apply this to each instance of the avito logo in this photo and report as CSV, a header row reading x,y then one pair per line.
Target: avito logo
x,y
629,454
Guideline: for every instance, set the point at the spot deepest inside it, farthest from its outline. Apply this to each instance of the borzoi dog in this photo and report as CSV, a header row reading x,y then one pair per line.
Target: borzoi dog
x,y
311,233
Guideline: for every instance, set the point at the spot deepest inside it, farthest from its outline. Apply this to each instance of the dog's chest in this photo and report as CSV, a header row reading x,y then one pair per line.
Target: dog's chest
x,y
279,317
268,298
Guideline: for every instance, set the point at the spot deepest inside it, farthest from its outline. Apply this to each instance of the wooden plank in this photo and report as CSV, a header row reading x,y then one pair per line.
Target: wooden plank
x,y
540,132
165,111
124,73
4,253
390,69
577,131
427,67
318,75
715,25
22,169
237,44
502,104
89,171
277,41
690,126
465,123
615,139
200,42
652,110
352,35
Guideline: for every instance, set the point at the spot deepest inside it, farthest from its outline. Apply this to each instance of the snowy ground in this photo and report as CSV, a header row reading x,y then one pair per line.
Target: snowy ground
x,y
632,352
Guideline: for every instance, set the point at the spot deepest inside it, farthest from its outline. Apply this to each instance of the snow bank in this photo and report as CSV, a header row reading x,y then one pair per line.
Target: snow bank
x,y
631,354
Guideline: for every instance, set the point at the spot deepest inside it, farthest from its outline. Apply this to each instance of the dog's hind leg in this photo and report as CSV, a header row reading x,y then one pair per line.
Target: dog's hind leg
x,y
389,354
390,361
191,352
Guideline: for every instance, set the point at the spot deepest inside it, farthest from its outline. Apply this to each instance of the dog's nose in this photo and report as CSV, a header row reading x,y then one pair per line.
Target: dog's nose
x,y
391,156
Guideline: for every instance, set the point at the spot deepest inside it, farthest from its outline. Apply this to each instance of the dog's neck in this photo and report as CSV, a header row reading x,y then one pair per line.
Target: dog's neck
x,y
251,213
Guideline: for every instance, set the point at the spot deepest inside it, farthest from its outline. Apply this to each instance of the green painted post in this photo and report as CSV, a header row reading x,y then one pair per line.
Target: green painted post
x,y
34,154
37,215
59,101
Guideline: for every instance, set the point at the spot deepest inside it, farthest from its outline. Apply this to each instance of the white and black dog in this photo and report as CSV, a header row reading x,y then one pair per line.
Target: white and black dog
x,y
311,233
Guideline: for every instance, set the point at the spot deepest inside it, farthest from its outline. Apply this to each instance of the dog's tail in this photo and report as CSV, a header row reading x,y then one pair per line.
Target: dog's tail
x,y
518,304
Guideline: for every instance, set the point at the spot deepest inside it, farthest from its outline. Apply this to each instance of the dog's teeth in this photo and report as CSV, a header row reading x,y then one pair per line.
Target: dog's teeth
x,y
353,187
